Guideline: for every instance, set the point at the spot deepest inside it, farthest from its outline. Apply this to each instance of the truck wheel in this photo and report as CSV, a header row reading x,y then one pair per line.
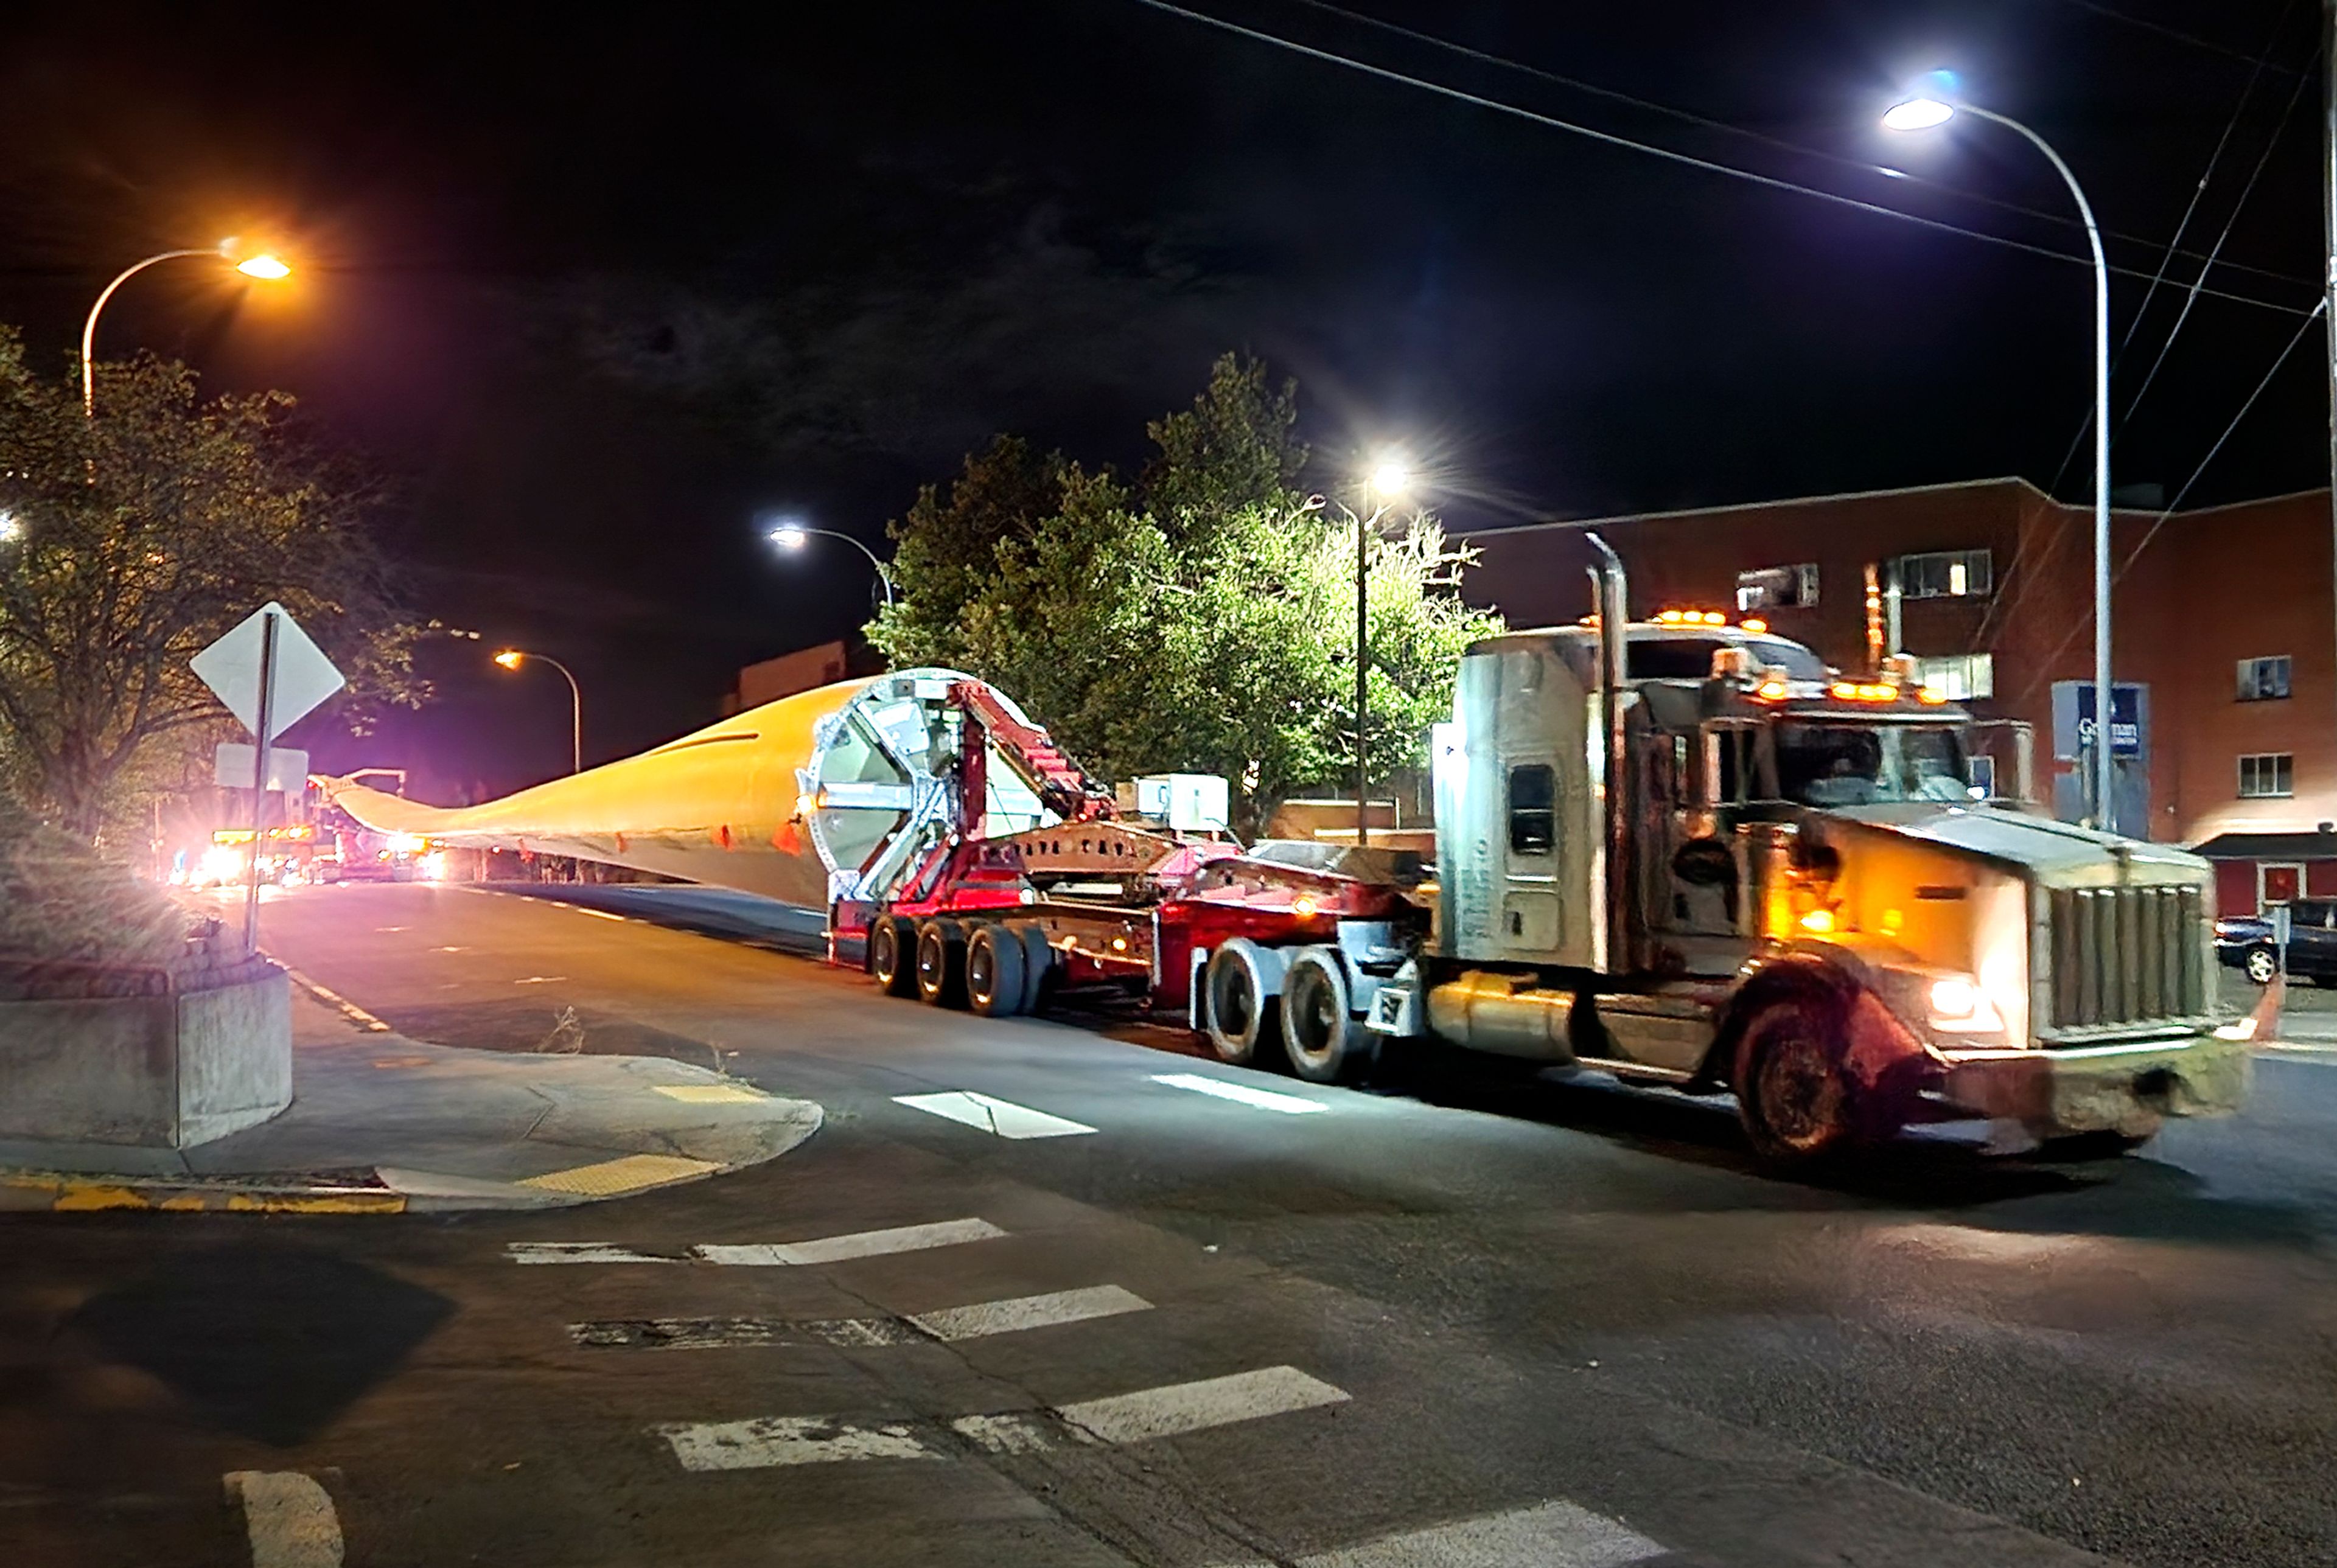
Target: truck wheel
x,y
994,971
892,956
2261,965
1038,963
941,964
1238,1012
1326,1044
1791,1093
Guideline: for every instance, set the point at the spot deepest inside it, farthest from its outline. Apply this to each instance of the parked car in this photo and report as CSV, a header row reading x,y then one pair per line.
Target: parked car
x,y
2249,943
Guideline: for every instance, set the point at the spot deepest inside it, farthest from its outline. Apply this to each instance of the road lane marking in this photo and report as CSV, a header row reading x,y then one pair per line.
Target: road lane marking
x,y
791,1440
631,1174
1552,1535
1002,1117
541,980
765,1255
287,1517
1020,1312
948,1324
1175,1407
580,1252
1137,1417
596,914
712,1094
349,1009
1241,1094
856,1244
741,1333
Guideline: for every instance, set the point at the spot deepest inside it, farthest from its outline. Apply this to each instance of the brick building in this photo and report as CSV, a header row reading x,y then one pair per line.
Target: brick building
x,y
2225,626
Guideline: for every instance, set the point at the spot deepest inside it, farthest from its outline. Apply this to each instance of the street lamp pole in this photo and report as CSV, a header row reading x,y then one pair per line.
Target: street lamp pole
x,y
513,658
1921,113
791,536
1387,480
260,266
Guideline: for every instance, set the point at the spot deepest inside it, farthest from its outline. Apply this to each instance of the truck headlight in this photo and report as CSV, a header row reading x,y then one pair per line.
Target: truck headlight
x,y
1960,1007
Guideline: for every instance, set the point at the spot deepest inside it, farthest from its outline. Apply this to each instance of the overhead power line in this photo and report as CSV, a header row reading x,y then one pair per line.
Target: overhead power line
x,y
2193,39
1689,117
1667,154
2045,667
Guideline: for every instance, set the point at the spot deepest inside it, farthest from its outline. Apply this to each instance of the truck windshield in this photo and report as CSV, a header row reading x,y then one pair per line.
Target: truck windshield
x,y
1850,764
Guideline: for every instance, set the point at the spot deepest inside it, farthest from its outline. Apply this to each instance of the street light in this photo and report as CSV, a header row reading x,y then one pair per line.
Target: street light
x,y
795,536
1390,477
265,265
512,659
1935,106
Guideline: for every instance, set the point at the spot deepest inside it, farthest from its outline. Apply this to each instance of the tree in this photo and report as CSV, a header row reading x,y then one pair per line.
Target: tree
x,y
134,540
1199,620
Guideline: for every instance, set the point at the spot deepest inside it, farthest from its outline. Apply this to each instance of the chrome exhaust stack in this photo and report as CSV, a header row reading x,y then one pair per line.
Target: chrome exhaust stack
x,y
1611,594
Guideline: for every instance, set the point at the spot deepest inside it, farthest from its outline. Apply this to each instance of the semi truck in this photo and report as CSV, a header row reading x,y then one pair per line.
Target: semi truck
x,y
1681,851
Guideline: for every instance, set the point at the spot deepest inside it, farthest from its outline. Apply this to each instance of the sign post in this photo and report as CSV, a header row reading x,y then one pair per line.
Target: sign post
x,y
263,734
270,675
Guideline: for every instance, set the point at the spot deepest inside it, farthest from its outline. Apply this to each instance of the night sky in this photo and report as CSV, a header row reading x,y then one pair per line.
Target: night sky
x,y
598,288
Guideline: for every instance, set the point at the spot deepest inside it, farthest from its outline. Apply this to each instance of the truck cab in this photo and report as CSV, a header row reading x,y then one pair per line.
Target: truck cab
x,y
1689,854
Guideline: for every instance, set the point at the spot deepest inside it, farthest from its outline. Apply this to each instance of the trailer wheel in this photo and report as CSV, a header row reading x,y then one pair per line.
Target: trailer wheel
x,y
941,964
1792,1094
994,971
1038,962
892,956
1240,1012
1325,1042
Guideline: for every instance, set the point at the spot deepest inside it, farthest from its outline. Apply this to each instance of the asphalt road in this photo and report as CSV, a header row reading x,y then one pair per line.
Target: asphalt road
x,y
1460,1323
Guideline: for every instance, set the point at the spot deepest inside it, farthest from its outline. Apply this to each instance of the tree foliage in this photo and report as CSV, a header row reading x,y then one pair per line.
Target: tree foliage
x,y
1201,618
134,540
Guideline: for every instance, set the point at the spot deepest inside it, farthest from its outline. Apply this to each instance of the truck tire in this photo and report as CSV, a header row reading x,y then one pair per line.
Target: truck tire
x,y
1327,1044
941,964
1038,962
893,955
1240,1010
1793,1092
994,970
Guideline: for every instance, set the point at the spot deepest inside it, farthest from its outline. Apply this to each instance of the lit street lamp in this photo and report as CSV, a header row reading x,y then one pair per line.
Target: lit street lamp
x,y
794,536
1935,107
1388,479
512,659
262,265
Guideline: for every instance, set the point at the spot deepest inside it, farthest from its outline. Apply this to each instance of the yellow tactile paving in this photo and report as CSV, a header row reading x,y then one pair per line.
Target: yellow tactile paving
x,y
631,1174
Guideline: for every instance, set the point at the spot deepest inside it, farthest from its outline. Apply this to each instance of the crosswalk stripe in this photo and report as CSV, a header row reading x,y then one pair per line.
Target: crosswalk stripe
x,y
1175,1407
858,1244
1003,1117
287,1517
1552,1535
1241,1094
791,1440
1021,1313
765,1255
1136,1417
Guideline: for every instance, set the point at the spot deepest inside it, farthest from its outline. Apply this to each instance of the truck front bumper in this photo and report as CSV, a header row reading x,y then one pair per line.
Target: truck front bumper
x,y
2121,1088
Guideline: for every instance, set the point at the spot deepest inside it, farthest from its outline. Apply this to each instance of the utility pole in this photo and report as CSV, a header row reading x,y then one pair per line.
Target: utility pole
x,y
2329,275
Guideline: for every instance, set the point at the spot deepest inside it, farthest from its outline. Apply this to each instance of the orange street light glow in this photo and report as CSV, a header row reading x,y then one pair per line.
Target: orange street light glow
x,y
509,658
264,266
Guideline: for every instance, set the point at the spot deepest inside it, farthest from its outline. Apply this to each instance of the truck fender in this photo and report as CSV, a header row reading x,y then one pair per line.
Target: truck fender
x,y
1887,1062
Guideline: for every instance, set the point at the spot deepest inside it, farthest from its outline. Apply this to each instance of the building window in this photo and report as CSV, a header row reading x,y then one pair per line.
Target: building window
x,y
1777,588
2264,679
1534,799
1959,676
2267,775
1945,574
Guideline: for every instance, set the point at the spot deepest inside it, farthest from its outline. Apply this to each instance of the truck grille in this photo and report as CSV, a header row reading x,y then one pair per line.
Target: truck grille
x,y
2127,955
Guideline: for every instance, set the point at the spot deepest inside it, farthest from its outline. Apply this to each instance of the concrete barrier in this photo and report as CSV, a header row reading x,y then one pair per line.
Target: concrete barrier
x,y
166,1071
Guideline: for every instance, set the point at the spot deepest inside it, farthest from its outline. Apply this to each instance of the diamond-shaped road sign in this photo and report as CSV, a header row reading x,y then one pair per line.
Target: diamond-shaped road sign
x,y
304,677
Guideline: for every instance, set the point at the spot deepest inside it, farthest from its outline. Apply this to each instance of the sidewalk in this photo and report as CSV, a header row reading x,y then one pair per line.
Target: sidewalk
x,y
380,1124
